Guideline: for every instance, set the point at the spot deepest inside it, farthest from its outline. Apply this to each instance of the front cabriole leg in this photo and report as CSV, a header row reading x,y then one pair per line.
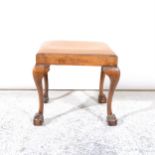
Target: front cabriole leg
x,y
38,73
114,74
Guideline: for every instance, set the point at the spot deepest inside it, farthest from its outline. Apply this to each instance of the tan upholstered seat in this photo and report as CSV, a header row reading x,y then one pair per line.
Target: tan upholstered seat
x,y
76,53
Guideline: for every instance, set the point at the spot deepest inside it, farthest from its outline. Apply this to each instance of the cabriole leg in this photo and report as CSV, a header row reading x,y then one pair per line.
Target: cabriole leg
x,y
38,73
101,97
46,97
114,74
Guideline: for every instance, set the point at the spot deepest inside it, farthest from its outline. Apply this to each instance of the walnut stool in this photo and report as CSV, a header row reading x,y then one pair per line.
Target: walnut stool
x,y
76,53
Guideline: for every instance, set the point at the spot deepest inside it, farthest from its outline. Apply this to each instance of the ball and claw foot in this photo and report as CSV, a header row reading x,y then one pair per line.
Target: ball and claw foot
x,y
112,120
38,119
46,99
102,99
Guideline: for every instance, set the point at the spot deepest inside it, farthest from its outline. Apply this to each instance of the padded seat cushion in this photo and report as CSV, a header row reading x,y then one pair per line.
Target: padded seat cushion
x,y
76,53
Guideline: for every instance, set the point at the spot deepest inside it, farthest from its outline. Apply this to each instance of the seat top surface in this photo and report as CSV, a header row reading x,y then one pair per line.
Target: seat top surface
x,y
76,47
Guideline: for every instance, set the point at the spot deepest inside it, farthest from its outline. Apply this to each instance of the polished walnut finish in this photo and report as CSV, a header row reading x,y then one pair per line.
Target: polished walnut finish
x,y
76,53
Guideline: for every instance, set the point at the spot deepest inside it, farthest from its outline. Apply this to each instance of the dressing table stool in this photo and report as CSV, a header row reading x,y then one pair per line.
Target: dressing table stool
x,y
76,53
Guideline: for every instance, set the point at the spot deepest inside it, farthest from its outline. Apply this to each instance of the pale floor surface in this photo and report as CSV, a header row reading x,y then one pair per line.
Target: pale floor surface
x,y
75,124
